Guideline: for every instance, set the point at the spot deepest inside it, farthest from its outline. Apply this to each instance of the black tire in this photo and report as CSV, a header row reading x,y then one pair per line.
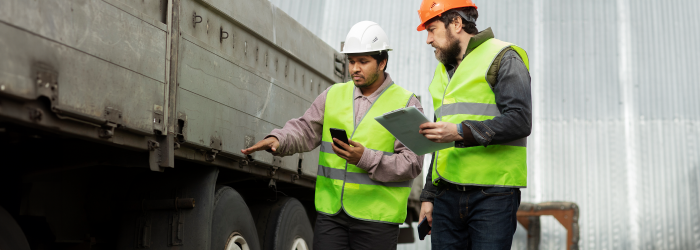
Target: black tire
x,y
280,224
11,235
232,220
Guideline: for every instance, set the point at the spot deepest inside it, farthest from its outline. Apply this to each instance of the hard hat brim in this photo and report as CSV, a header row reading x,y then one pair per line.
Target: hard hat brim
x,y
364,53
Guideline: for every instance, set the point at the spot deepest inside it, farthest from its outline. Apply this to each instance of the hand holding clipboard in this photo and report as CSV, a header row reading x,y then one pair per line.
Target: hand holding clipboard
x,y
404,125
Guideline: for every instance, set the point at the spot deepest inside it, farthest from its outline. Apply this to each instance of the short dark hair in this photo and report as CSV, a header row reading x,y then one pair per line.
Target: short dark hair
x,y
383,55
470,12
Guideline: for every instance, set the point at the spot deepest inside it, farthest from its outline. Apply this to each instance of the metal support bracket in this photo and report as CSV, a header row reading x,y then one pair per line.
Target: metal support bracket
x,y
143,232
107,130
215,145
154,156
180,127
242,163
341,64
273,171
277,161
248,160
300,169
46,79
113,115
35,114
276,164
167,151
177,230
158,120
113,119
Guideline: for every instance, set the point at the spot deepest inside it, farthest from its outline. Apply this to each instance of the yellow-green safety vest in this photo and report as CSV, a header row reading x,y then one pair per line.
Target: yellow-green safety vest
x,y
468,96
340,185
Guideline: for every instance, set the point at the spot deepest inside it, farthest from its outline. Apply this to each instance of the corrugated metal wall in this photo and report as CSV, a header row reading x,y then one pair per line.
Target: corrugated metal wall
x,y
616,107
412,62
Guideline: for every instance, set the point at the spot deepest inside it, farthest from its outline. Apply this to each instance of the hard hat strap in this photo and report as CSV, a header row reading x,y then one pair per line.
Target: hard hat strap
x,y
464,15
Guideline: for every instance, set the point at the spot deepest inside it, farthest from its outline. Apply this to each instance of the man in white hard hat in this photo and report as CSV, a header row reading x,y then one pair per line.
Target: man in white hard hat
x,y
361,189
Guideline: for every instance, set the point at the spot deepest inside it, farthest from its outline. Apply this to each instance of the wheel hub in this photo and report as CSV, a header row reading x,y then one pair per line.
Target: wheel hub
x,y
236,242
300,244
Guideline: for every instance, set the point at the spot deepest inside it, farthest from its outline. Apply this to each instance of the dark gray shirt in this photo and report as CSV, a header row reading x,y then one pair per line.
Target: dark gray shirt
x,y
511,87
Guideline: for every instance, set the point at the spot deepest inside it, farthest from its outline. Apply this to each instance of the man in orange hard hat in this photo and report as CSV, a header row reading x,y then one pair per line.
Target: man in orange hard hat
x,y
482,102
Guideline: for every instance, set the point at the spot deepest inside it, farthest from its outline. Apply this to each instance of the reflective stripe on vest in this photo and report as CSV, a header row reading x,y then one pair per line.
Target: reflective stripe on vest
x,y
340,185
468,96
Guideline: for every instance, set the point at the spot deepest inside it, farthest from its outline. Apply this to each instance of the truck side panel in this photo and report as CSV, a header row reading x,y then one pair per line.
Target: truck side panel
x,y
236,85
103,57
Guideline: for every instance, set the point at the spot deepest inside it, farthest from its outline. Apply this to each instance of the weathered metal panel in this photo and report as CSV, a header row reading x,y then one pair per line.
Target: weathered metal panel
x,y
237,85
207,119
257,55
224,82
275,27
153,9
86,84
103,56
303,44
256,15
93,27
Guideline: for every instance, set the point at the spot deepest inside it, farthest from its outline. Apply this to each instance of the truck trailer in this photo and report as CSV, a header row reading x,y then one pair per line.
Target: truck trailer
x,y
122,121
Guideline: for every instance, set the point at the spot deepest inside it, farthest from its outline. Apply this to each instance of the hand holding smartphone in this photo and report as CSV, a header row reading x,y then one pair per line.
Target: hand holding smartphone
x,y
423,228
339,134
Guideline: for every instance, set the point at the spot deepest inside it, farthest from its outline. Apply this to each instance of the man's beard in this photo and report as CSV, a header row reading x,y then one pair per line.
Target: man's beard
x,y
448,55
369,81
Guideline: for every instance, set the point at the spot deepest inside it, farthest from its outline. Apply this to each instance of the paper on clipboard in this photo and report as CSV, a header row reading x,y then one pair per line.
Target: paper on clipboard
x,y
404,125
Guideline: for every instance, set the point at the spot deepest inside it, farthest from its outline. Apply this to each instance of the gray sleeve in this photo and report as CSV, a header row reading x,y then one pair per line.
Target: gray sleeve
x,y
514,101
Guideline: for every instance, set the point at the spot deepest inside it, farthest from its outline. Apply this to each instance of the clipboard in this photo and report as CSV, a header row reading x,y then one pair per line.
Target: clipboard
x,y
404,124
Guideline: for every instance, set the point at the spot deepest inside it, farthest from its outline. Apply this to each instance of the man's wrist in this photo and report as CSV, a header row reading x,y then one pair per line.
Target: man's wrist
x,y
427,196
365,161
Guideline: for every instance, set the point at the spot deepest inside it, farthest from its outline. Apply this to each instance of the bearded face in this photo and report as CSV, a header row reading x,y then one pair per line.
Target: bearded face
x,y
448,51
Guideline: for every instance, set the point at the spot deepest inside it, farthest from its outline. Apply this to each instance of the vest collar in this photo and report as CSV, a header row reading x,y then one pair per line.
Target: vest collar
x,y
474,42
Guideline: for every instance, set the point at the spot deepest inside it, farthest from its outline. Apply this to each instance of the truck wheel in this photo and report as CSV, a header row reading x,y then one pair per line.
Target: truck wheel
x,y
285,225
11,235
232,227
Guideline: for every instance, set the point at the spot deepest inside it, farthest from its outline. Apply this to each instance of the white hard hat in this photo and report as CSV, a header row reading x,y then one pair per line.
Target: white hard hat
x,y
365,36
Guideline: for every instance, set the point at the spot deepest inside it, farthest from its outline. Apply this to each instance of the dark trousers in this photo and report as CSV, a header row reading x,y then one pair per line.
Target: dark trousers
x,y
343,232
482,218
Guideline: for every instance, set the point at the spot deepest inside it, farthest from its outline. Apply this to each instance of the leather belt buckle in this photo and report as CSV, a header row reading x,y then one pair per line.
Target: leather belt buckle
x,y
461,188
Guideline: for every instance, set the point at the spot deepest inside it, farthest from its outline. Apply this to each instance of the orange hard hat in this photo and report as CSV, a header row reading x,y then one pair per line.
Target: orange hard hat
x,y
432,8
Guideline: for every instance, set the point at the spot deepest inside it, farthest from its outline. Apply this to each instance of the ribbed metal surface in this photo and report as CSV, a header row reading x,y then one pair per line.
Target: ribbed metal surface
x,y
616,107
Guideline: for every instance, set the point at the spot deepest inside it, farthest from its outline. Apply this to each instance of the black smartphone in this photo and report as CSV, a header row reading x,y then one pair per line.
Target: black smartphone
x,y
423,228
340,135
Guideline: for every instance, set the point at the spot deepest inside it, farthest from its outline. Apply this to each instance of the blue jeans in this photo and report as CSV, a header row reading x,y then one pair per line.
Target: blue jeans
x,y
482,218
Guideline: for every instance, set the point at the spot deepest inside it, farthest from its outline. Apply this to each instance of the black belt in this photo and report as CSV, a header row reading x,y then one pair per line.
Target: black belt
x,y
462,188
